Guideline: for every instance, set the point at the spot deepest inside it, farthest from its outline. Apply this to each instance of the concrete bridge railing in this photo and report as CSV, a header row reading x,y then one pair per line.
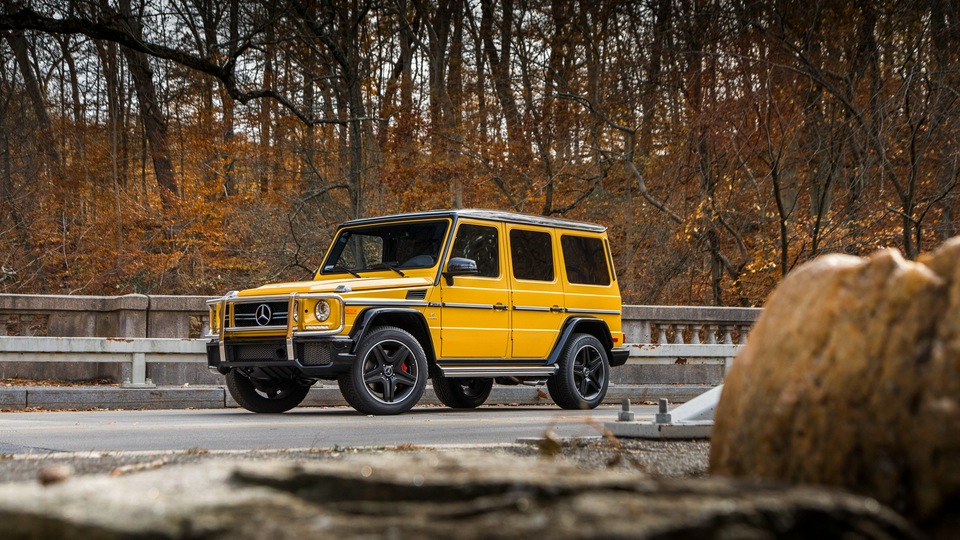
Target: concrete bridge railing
x,y
129,316
688,324
133,316
132,354
117,337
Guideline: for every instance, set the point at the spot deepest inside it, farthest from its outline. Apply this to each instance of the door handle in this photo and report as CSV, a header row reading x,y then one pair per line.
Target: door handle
x,y
499,307
556,309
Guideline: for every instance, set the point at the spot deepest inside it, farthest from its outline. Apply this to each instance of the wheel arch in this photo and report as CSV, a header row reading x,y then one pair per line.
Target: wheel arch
x,y
407,319
581,325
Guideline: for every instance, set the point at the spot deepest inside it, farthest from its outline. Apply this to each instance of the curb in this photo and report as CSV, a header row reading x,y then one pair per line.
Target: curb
x,y
216,397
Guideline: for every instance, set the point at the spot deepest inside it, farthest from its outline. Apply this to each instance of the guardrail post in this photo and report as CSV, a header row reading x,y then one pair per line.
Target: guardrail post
x,y
138,373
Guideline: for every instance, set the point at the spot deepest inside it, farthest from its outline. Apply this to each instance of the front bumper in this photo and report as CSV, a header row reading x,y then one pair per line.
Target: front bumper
x,y
314,358
295,350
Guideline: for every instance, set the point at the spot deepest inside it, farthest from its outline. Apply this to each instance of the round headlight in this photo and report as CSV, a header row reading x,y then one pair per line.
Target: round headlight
x,y
322,310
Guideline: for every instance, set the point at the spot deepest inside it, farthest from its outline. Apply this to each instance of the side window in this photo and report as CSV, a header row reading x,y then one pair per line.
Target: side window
x,y
480,244
585,260
532,255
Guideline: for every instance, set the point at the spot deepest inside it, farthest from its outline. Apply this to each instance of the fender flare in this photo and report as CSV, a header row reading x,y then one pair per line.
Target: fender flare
x,y
588,325
409,319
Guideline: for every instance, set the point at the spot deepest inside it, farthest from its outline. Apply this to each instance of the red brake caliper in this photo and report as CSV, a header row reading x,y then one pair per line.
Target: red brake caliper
x,y
404,368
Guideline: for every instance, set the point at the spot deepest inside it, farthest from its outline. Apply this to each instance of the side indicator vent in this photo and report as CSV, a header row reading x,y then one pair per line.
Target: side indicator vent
x,y
418,294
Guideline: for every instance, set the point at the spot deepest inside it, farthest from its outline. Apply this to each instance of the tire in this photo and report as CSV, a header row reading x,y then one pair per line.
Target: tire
x,y
583,376
389,375
269,396
462,393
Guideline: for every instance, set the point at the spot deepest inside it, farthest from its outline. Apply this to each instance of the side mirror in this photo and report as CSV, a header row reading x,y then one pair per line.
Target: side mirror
x,y
458,266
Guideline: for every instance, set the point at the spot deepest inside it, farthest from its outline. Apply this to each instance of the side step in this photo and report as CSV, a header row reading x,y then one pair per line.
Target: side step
x,y
498,371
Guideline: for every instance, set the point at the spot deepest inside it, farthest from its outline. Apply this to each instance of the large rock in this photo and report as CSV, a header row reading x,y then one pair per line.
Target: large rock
x,y
851,378
466,495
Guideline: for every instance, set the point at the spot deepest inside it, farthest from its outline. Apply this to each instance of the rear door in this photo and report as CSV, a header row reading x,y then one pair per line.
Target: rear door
x,y
538,301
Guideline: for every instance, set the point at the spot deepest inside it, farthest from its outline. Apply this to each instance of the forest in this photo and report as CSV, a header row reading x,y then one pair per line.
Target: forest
x,y
198,146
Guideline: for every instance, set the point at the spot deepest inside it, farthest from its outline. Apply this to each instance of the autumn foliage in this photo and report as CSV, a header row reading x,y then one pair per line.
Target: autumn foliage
x,y
192,147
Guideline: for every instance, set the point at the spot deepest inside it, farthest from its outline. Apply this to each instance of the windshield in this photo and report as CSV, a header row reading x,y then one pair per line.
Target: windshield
x,y
390,246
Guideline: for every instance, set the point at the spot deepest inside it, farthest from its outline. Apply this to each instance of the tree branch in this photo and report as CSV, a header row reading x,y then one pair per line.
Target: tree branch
x,y
114,28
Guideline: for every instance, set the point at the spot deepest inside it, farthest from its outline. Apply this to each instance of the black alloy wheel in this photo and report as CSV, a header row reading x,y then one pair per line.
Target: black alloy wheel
x,y
583,374
389,375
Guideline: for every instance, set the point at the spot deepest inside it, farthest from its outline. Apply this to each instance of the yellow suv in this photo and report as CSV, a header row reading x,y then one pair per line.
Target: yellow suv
x,y
466,298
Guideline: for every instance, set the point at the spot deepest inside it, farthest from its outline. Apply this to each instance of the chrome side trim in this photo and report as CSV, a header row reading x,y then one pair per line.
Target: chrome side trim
x,y
467,306
593,311
531,308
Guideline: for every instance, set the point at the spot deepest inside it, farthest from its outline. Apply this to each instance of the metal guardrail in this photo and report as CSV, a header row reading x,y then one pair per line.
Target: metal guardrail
x,y
138,352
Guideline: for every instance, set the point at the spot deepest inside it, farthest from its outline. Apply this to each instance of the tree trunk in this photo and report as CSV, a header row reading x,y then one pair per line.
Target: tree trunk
x,y
154,123
500,71
7,190
453,103
18,43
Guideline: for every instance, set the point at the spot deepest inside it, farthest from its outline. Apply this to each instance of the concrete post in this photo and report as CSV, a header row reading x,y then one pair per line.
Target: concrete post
x,y
138,373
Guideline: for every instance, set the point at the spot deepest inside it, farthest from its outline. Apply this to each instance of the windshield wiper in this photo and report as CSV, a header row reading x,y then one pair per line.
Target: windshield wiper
x,y
338,268
387,266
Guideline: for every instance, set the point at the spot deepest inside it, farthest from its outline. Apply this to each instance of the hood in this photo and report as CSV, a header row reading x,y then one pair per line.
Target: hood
x,y
328,286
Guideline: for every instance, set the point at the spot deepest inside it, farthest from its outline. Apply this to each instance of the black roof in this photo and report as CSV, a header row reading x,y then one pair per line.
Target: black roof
x,y
488,215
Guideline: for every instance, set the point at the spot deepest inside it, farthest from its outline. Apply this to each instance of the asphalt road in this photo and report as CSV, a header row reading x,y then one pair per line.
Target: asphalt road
x,y
303,428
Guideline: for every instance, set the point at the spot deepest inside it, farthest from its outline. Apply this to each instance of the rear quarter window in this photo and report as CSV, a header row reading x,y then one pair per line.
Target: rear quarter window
x,y
585,260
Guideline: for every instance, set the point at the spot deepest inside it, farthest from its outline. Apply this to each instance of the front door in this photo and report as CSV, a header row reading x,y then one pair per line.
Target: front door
x,y
475,315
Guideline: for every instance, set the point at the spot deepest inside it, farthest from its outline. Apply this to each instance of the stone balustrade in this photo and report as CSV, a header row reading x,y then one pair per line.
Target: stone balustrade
x,y
692,325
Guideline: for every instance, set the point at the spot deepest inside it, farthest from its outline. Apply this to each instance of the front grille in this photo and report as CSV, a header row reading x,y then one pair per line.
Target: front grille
x,y
256,314
258,352
315,354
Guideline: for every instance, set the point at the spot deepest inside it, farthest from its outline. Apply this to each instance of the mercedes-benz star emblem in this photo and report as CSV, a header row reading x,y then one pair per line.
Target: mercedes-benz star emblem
x,y
263,314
